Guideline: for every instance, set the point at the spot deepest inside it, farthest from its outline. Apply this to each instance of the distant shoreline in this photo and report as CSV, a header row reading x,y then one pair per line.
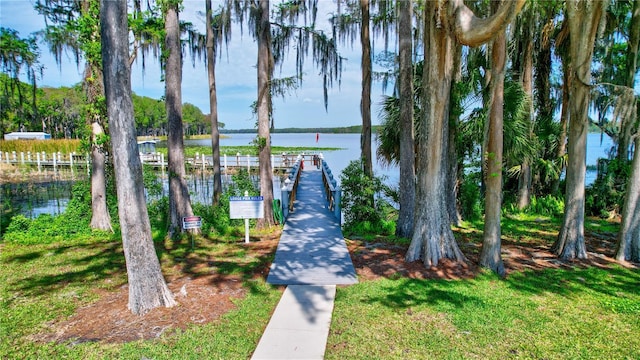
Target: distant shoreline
x,y
356,129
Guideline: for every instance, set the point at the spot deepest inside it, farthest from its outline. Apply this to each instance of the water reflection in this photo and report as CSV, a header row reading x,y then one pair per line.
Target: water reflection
x,y
34,198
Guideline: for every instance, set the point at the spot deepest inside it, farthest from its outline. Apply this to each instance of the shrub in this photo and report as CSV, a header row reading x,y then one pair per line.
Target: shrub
x,y
471,206
362,204
606,195
74,222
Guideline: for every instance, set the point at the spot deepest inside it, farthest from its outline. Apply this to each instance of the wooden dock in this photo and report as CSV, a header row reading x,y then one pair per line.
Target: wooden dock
x,y
201,162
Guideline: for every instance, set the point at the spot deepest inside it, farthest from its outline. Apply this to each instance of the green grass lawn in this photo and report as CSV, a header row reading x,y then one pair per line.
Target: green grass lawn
x,y
553,314
580,313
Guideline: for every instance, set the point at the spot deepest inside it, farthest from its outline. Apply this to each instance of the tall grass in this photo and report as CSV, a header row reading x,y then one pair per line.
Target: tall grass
x,y
64,146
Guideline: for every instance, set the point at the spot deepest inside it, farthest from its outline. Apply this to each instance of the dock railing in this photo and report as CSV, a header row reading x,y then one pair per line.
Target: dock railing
x,y
332,191
290,187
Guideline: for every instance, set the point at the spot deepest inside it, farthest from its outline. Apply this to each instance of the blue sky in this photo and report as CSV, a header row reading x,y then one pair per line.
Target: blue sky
x,y
235,72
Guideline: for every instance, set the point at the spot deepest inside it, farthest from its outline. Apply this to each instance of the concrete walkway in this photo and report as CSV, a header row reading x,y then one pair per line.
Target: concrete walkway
x,y
311,258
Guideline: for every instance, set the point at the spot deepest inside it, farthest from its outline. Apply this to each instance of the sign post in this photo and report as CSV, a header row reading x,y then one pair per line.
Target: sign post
x,y
246,207
191,222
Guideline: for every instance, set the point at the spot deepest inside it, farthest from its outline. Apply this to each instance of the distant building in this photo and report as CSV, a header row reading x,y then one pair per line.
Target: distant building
x,y
147,146
27,136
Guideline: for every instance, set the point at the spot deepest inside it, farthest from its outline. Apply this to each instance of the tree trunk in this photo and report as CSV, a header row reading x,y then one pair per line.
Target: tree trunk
x,y
265,65
491,244
564,122
365,100
583,19
445,23
147,287
453,161
627,123
526,78
179,199
213,106
407,144
100,218
432,238
629,235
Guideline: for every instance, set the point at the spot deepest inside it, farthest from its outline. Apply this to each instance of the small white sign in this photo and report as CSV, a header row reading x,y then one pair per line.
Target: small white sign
x,y
191,222
246,207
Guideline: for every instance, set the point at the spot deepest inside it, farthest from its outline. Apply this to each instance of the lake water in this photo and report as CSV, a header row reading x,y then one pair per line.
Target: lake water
x,y
52,197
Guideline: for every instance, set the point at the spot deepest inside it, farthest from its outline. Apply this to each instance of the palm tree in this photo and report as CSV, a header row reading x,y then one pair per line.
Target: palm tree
x,y
179,198
16,55
218,30
404,227
147,287
75,26
583,19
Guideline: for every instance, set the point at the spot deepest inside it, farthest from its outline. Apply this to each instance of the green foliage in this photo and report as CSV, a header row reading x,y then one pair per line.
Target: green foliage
x,y
469,198
158,211
44,229
606,196
548,205
362,204
241,183
152,183
259,142
215,219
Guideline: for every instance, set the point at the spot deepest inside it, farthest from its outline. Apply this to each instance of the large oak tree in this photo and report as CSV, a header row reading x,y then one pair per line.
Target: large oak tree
x,y
446,24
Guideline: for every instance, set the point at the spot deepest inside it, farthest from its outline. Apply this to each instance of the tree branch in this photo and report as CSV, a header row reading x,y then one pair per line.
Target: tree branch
x,y
473,31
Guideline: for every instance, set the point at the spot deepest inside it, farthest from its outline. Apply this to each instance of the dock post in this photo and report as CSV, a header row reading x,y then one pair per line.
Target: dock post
x,y
203,164
86,159
29,156
162,163
55,163
71,163
15,158
285,200
38,160
22,157
44,156
225,164
337,209
249,163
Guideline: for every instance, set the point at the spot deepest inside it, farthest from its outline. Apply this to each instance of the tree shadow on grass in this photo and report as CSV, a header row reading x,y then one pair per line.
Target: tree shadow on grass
x,y
612,281
406,293
616,283
104,263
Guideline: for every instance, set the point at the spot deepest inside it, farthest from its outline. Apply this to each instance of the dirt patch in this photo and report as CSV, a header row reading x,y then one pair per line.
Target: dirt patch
x,y
201,299
374,260
203,295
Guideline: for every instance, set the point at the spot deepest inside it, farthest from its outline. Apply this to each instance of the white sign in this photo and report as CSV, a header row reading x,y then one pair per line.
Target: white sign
x,y
191,222
246,207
